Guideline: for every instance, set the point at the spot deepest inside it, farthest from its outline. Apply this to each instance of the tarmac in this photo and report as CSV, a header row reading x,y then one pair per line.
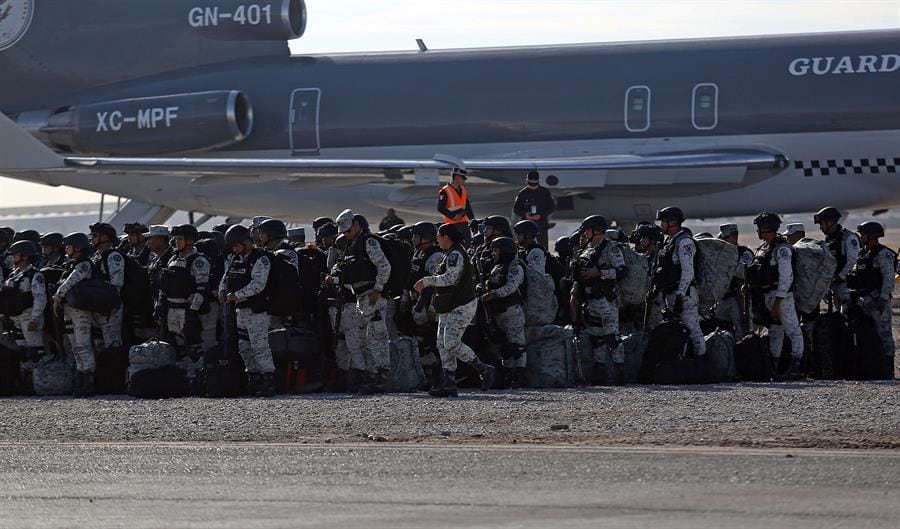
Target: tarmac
x,y
249,486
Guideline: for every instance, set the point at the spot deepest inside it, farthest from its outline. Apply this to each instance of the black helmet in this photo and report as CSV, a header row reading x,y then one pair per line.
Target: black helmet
x,y
221,228
498,223
767,221
341,242
327,230
563,245
104,228
27,235
529,228
219,238
650,231
26,248
506,246
406,233
319,222
870,228
827,213
6,233
425,230
670,213
135,227
236,234
77,240
274,228
594,222
52,239
187,231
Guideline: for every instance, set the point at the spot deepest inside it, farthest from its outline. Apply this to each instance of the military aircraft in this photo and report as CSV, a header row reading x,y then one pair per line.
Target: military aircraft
x,y
199,106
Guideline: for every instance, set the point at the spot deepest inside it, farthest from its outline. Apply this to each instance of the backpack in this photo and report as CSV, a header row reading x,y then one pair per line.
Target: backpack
x,y
720,347
135,293
813,272
557,268
634,284
282,287
667,358
399,254
541,304
209,249
714,268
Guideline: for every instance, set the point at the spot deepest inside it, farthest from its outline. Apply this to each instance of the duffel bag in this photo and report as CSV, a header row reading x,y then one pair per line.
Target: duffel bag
x,y
93,295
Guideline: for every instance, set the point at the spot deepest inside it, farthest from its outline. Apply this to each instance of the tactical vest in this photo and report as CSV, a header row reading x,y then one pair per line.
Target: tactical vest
x,y
594,288
177,280
20,300
102,266
668,273
70,268
498,278
239,276
356,268
866,277
762,273
449,298
483,261
835,245
156,269
417,269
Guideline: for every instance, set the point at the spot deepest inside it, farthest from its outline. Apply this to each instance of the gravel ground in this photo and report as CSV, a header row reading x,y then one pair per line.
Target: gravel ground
x,y
808,414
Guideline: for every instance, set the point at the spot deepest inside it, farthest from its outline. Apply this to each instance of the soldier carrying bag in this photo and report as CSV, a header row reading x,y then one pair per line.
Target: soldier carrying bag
x,y
93,295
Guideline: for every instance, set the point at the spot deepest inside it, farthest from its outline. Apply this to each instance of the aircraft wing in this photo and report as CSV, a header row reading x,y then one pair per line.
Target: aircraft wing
x,y
19,151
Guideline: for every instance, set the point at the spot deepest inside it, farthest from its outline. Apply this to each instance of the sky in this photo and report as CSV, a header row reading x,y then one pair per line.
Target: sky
x,y
387,25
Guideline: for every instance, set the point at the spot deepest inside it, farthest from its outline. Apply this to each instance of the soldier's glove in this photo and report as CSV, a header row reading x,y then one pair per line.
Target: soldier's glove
x,y
679,304
487,298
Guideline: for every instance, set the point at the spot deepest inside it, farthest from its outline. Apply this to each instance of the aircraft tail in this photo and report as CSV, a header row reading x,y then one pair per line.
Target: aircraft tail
x,y
20,151
53,48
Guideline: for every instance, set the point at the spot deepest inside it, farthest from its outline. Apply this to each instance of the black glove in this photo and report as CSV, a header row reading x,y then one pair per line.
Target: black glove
x,y
679,304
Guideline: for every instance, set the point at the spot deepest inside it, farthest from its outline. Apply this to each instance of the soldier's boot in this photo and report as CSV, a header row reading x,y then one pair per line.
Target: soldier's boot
x,y
448,386
341,378
618,374
381,383
703,368
520,379
487,373
88,389
252,383
356,379
598,375
794,372
78,385
266,385
888,368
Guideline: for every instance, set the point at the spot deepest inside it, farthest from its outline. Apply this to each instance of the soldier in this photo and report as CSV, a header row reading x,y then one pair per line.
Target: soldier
x,y
772,272
533,253
271,237
495,226
425,262
254,228
456,304
794,233
158,242
109,264
29,299
78,269
844,246
53,250
390,220
673,279
312,265
872,280
297,238
185,294
350,353
137,244
367,269
326,235
731,308
647,238
244,284
503,302
596,271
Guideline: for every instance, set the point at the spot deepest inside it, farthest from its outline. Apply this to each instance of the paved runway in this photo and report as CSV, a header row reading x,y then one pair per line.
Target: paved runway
x,y
247,486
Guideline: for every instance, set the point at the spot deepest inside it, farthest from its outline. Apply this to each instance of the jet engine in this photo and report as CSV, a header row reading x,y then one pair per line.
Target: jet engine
x,y
249,19
144,126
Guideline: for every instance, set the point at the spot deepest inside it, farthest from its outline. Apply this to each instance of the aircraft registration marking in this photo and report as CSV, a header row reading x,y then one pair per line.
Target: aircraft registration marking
x,y
244,15
146,118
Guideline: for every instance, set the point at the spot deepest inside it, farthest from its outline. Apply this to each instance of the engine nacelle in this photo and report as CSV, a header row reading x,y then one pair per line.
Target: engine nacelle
x,y
144,126
249,19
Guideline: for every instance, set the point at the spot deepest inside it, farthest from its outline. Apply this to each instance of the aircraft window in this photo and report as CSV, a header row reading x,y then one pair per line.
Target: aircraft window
x,y
637,108
705,106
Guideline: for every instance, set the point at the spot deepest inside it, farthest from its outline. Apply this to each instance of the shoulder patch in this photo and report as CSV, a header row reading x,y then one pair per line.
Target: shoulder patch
x,y
38,278
453,259
117,257
372,242
784,253
200,263
264,260
854,242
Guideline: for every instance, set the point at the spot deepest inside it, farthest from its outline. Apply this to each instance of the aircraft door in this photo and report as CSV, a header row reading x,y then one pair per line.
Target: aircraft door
x,y
305,121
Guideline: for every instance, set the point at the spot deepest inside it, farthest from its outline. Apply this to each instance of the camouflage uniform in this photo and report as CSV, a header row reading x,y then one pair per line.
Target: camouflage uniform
x,y
373,316
601,313
252,328
452,325
731,308
681,249
351,353
81,320
536,259
780,256
882,262
113,267
30,280
844,246
511,320
178,307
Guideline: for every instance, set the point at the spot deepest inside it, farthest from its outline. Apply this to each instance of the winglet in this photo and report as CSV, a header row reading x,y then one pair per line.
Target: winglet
x,y
20,151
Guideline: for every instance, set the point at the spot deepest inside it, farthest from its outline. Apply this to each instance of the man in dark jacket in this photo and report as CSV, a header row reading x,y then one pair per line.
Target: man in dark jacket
x,y
534,202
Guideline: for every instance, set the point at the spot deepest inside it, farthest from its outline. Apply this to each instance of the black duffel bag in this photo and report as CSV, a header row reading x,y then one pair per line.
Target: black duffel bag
x,y
93,295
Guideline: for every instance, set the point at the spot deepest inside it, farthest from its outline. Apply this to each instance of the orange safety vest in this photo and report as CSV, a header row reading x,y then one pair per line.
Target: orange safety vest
x,y
455,201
